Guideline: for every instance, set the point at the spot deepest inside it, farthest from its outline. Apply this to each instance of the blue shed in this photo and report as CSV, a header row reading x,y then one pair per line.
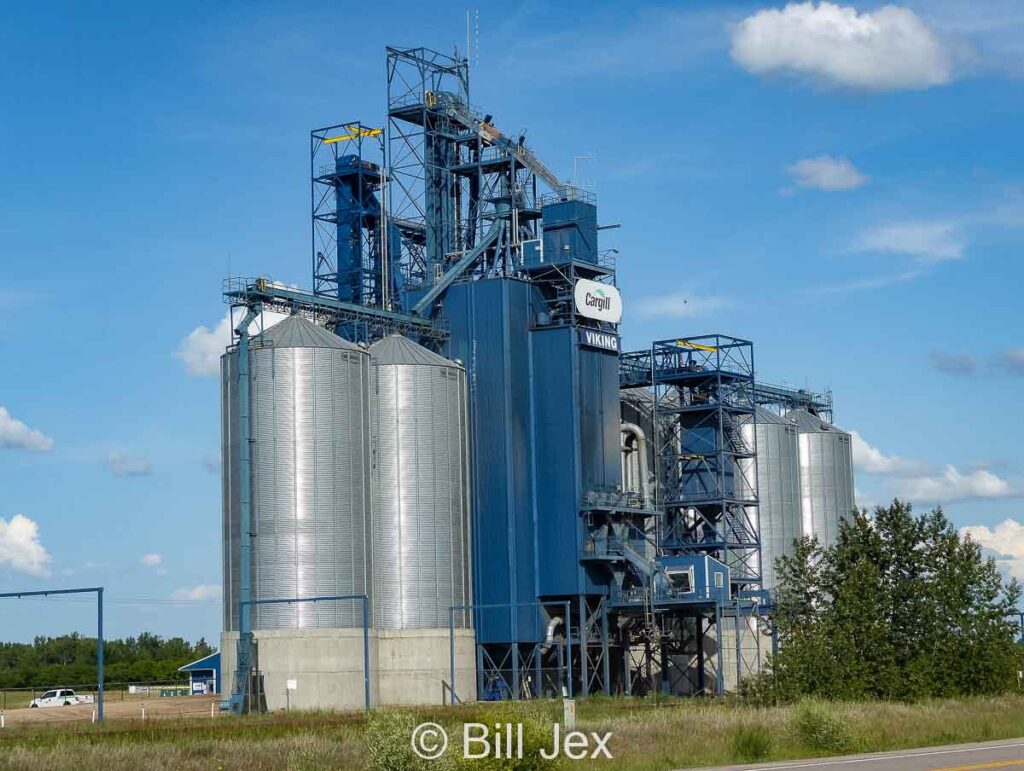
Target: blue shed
x,y
204,674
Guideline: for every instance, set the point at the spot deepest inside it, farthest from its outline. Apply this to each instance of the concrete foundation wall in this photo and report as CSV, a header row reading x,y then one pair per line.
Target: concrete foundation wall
x,y
406,667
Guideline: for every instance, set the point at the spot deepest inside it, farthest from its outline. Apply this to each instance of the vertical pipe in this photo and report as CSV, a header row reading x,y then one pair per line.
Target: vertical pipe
x,y
366,651
739,648
606,671
479,670
701,674
515,671
568,645
584,673
719,670
99,653
243,671
451,650
561,670
538,684
626,679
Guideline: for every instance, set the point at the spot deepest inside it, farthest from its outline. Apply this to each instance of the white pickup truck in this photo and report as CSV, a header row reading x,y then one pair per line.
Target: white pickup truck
x,y
61,697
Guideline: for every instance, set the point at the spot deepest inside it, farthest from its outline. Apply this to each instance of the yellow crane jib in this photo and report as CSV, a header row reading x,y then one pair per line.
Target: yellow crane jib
x,y
355,132
696,346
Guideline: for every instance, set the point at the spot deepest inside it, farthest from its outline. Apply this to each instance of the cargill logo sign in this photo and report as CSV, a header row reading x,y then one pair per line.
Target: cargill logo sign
x,y
598,301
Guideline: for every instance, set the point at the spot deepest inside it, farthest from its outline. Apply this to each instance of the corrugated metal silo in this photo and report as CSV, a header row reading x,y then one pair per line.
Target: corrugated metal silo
x,y
778,488
826,476
421,538
310,476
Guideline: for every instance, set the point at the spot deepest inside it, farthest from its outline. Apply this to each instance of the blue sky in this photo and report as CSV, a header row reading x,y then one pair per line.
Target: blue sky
x,y
854,205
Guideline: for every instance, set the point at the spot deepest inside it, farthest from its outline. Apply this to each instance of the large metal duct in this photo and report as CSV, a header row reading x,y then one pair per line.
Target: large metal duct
x,y
778,488
421,497
826,476
311,476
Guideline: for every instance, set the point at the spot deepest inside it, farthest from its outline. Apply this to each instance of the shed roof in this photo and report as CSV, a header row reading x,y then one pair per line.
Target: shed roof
x,y
299,332
205,663
398,349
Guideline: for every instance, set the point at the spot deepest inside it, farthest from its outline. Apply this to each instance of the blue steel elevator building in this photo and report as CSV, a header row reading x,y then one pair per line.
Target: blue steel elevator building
x,y
439,226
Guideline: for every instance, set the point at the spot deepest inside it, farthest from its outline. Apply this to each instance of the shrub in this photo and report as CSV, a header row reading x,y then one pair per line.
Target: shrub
x,y
818,727
389,743
750,744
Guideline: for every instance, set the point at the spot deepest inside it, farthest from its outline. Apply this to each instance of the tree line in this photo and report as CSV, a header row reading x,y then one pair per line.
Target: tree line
x,y
902,607
47,662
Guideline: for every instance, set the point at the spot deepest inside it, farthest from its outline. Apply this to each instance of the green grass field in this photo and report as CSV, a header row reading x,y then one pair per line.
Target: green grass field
x,y
645,735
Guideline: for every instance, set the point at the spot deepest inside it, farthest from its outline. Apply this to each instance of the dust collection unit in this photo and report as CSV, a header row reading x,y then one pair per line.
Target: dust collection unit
x,y
443,480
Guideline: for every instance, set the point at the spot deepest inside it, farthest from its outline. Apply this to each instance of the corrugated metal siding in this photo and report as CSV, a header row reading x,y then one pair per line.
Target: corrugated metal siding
x,y
489,323
556,462
826,477
311,484
778,483
421,506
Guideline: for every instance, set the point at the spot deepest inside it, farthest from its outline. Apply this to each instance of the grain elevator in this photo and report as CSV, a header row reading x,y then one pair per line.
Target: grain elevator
x,y
443,478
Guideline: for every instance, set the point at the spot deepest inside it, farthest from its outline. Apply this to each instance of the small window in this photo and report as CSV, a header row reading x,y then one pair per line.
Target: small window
x,y
682,580
719,580
49,694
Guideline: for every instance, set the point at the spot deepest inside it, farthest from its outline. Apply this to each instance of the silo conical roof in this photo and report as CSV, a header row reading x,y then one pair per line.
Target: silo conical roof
x,y
299,332
805,421
398,349
765,415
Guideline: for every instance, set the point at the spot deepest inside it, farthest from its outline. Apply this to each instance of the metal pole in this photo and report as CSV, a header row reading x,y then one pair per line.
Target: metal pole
x,y
99,654
605,652
366,651
243,665
568,643
451,650
584,689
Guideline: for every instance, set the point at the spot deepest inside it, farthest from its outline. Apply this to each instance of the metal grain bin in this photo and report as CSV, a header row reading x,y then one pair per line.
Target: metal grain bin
x,y
778,488
421,496
310,476
826,476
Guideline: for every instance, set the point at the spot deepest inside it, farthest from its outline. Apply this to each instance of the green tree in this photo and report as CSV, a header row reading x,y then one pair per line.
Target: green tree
x,y
901,607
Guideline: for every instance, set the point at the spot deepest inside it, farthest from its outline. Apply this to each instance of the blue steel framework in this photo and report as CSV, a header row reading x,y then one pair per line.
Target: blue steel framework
x,y
705,488
350,260
99,630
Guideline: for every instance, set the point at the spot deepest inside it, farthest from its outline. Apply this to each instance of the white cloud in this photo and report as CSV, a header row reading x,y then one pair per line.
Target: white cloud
x,y
677,306
152,560
201,349
127,465
951,484
917,481
926,241
953,363
20,547
868,458
200,593
1006,540
876,282
1011,361
825,172
16,435
884,50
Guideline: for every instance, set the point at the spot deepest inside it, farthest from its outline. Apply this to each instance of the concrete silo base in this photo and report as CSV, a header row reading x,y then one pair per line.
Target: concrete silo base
x,y
406,666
